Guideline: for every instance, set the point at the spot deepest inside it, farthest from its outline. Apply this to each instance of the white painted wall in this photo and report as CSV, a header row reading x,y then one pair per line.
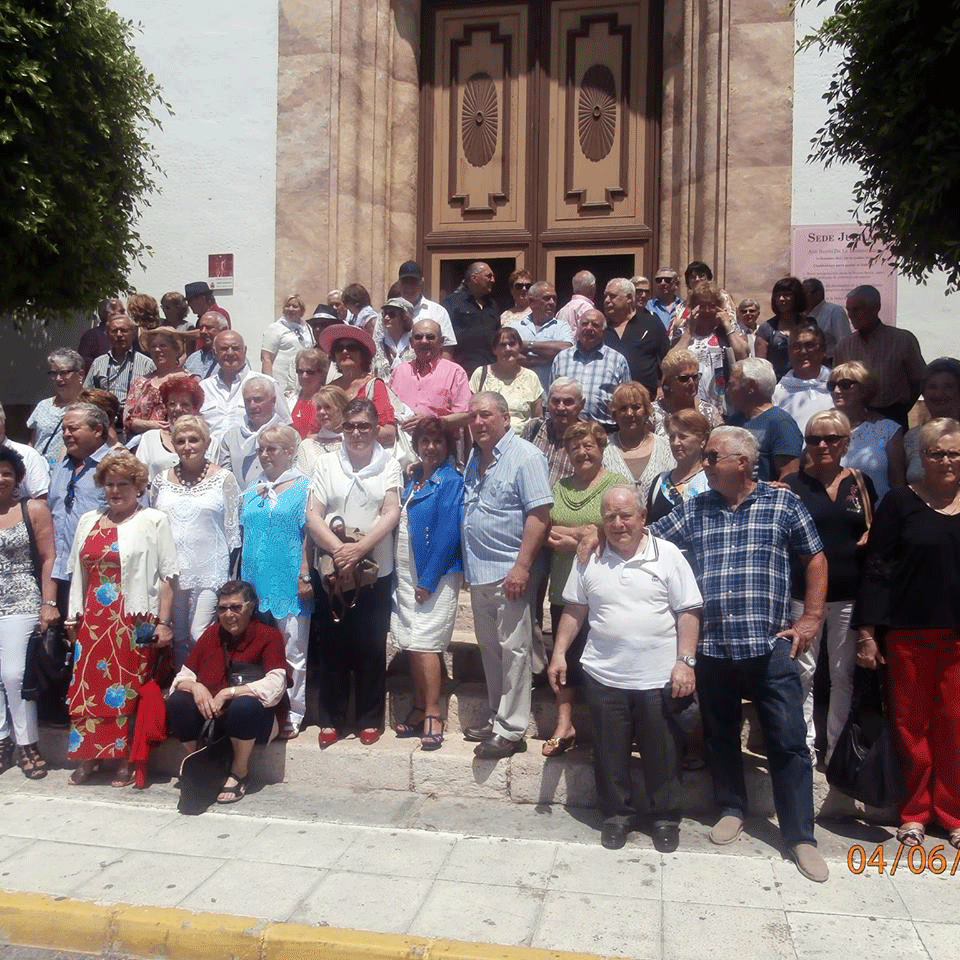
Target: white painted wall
x,y
822,195
217,64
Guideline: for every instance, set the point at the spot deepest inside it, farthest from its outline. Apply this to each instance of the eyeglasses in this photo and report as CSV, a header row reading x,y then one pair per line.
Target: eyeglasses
x,y
230,607
844,384
829,438
942,456
712,457
522,286
355,426
56,374
663,279
687,377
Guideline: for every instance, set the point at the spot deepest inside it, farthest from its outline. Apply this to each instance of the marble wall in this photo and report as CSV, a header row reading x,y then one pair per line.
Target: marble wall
x,y
347,134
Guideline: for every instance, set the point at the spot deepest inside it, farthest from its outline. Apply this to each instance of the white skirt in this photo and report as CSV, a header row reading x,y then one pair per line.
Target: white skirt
x,y
421,627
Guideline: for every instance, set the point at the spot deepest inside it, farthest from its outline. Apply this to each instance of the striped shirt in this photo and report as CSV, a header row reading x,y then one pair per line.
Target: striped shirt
x,y
600,372
106,373
893,357
742,561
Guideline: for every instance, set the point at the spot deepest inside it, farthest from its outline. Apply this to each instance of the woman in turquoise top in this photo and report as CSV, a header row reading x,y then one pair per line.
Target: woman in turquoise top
x,y
273,517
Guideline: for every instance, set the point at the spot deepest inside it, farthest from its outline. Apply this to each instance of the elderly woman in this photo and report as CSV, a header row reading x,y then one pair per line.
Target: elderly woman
x,y
519,283
788,301
65,370
182,396
428,575
28,598
941,394
122,567
274,561
312,365
201,502
876,444
329,402
680,376
687,433
144,408
282,341
392,336
911,590
748,316
518,385
352,350
247,713
359,483
646,454
575,513
841,502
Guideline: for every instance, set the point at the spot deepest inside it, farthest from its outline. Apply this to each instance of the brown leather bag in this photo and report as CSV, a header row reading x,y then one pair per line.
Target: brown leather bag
x,y
343,589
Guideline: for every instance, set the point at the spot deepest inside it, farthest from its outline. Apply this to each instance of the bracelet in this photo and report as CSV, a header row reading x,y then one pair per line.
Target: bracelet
x,y
49,603
233,692
164,623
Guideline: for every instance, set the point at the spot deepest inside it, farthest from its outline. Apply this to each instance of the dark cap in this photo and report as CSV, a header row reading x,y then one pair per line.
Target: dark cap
x,y
324,314
198,288
410,269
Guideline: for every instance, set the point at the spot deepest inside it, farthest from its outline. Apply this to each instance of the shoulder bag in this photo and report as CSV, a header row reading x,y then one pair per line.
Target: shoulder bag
x,y
343,589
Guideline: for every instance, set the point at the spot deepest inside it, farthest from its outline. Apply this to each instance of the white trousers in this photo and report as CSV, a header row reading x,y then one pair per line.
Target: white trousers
x,y
15,631
842,658
194,609
296,636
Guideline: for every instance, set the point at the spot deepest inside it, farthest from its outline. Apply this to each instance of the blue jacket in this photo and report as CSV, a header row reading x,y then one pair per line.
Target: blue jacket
x,y
433,518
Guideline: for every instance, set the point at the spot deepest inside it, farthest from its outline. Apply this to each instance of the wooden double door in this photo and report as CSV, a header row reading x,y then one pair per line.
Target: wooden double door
x,y
539,139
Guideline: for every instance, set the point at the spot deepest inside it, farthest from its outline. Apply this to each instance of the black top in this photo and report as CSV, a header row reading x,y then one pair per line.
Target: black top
x,y
840,525
644,344
474,324
911,577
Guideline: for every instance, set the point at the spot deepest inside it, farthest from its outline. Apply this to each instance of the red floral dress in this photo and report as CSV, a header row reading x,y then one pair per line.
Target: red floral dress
x,y
144,401
108,667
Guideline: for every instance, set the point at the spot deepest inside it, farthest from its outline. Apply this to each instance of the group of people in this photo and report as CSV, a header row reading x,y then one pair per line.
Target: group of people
x,y
705,499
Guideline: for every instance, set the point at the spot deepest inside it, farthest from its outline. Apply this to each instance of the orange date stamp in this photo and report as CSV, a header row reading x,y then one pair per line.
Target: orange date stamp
x,y
915,859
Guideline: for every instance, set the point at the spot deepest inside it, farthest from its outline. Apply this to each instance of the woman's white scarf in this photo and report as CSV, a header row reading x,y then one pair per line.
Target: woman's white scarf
x,y
267,489
357,476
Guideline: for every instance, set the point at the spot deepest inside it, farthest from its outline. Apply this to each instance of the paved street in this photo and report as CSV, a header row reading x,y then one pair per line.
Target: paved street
x,y
477,870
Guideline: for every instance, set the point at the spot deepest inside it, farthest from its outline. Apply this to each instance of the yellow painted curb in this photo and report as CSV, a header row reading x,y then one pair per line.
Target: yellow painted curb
x,y
39,920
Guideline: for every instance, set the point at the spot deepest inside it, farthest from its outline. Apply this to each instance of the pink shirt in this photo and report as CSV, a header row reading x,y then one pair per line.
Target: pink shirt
x,y
438,390
572,311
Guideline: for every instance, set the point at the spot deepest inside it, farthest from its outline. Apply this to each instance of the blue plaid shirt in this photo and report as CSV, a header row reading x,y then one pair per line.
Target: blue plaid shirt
x,y
742,561
600,372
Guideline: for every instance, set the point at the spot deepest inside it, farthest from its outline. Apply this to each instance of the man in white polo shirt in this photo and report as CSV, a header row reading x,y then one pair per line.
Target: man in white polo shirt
x,y
643,607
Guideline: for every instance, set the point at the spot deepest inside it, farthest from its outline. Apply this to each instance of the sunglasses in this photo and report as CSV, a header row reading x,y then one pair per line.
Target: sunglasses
x,y
522,286
828,438
712,457
354,426
230,607
844,384
687,377
663,279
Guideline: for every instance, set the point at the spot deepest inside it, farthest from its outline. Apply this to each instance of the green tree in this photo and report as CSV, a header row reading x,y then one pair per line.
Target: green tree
x,y
76,163
893,112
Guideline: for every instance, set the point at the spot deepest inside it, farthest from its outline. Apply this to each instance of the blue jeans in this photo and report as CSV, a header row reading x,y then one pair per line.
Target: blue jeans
x,y
773,683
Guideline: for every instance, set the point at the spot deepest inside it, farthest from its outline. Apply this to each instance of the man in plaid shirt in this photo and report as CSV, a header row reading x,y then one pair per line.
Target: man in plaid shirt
x,y
739,536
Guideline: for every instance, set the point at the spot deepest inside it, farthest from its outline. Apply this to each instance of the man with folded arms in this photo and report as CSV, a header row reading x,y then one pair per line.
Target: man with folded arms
x,y
643,606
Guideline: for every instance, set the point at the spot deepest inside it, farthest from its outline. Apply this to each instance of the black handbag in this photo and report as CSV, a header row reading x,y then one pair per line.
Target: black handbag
x,y
204,772
238,673
864,764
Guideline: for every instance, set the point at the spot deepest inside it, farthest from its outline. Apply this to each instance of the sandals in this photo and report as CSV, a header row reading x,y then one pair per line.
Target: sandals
x,y
125,777
408,729
32,764
431,740
911,835
556,746
236,793
954,838
290,731
84,771
6,754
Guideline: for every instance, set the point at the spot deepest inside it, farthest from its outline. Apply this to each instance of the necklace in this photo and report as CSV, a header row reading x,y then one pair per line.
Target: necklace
x,y
187,484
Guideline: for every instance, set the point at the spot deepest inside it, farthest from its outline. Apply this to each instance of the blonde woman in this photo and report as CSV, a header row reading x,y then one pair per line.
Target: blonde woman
x,y
680,383
283,340
646,454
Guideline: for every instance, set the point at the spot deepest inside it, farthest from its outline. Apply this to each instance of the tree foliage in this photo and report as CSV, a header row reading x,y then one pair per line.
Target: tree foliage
x,y
76,163
893,111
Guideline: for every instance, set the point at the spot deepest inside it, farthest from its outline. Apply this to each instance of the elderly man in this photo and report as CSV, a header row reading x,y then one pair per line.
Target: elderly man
x,y
779,439
506,513
430,384
335,303
803,391
831,318
666,299
599,368
238,448
640,337
739,537
642,286
642,604
36,480
475,317
544,335
96,341
200,299
116,370
891,355
584,294
202,363
410,278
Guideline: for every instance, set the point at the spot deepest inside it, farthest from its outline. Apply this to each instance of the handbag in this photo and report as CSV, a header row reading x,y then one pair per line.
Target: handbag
x,y
343,589
239,673
403,444
864,764
204,772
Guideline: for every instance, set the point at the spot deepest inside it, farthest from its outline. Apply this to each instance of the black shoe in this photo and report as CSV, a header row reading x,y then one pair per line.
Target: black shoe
x,y
497,747
478,734
666,837
613,835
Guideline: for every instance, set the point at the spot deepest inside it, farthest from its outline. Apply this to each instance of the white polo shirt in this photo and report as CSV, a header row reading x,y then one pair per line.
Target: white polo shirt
x,y
633,604
430,310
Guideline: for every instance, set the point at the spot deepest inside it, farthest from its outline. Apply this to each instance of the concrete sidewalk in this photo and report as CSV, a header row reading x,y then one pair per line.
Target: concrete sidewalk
x,y
424,872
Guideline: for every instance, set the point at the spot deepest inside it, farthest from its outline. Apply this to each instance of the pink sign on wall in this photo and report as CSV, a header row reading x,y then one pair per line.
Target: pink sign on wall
x,y
822,251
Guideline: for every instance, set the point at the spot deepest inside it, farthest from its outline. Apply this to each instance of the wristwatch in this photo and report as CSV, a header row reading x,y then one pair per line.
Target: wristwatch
x,y
689,661
303,578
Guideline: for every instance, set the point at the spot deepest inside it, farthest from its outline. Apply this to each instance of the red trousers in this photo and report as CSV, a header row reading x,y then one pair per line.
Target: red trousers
x,y
924,690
